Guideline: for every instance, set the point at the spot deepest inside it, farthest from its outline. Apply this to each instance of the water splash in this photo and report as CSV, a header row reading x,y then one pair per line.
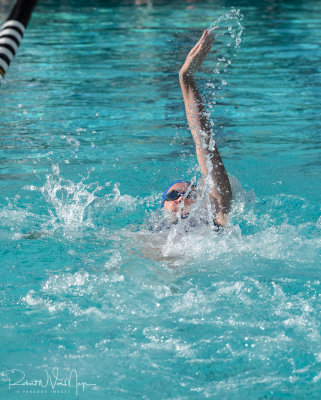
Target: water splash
x,y
229,24
228,30
68,202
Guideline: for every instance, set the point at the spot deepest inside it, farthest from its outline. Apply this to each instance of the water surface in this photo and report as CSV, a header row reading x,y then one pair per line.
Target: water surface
x,y
92,131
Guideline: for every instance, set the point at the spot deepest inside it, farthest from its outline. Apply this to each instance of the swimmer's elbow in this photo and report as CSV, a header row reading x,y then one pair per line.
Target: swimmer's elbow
x,y
220,219
221,201
227,201
222,204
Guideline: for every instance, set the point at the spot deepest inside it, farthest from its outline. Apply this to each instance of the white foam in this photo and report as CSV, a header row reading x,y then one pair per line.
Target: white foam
x,y
53,306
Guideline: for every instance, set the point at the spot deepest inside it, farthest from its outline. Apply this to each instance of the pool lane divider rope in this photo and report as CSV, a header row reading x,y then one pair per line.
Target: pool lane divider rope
x,y
12,32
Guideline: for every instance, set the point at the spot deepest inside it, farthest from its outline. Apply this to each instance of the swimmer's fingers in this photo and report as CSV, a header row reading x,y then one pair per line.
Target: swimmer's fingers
x,y
201,43
206,49
203,48
198,53
206,45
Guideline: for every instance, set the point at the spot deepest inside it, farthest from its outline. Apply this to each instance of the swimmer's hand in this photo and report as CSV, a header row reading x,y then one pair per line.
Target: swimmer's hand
x,y
197,55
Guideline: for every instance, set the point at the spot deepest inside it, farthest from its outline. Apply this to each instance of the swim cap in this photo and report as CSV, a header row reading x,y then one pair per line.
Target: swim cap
x,y
172,184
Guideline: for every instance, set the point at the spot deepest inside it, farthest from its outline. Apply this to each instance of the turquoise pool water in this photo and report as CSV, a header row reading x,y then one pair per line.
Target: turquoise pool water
x,y
92,131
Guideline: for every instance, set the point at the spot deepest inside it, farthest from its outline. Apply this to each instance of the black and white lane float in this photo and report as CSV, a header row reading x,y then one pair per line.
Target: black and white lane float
x,y
12,32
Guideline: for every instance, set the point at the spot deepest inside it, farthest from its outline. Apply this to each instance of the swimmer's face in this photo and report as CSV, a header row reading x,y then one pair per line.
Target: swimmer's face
x,y
182,203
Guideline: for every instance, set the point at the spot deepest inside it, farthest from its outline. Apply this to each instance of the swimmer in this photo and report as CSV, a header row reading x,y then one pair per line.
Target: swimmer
x,y
179,197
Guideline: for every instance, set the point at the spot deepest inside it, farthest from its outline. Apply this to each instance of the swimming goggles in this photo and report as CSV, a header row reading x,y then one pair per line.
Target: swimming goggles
x,y
169,187
175,194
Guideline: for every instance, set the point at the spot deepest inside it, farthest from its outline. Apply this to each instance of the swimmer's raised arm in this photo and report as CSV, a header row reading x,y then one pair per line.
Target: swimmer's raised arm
x,y
208,156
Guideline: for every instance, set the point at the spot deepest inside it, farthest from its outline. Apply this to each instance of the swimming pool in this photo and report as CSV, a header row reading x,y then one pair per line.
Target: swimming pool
x,y
92,131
